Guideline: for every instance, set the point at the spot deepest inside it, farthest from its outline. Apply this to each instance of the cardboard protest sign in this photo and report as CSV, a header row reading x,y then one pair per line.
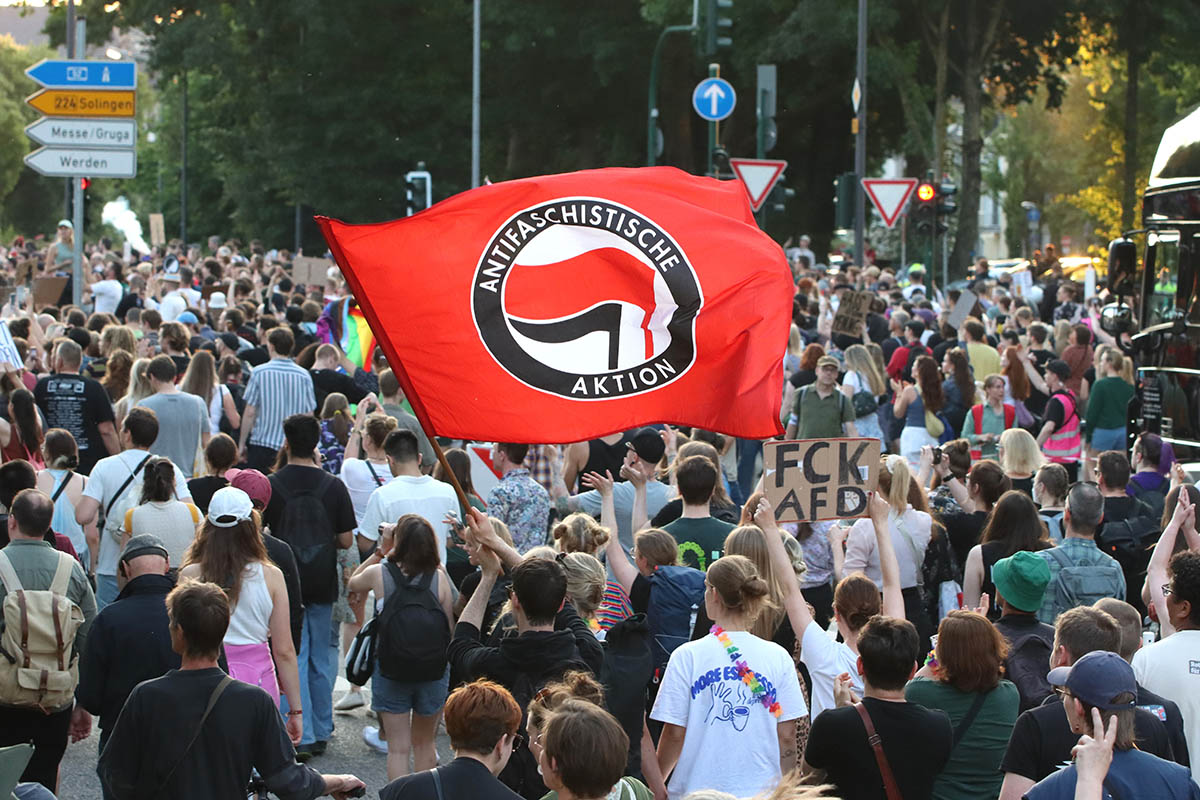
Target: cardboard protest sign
x,y
46,291
310,271
158,231
8,348
806,480
962,309
852,313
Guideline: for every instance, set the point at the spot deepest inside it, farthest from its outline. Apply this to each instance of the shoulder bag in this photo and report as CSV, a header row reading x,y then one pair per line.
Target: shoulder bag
x,y
890,787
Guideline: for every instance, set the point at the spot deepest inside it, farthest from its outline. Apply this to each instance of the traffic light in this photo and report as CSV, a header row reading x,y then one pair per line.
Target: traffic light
x,y
418,190
946,204
85,183
779,196
925,213
843,200
717,27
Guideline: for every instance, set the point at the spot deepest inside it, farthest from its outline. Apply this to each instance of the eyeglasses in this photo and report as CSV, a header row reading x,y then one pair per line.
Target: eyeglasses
x,y
1062,692
1166,589
518,742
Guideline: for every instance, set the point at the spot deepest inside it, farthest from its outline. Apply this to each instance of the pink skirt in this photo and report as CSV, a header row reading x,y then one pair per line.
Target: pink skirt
x,y
251,663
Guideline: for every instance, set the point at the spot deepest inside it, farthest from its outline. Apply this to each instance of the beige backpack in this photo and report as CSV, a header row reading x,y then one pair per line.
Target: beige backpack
x,y
37,666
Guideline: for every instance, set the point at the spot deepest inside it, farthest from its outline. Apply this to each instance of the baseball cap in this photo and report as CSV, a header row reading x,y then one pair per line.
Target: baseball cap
x,y
256,485
187,318
1060,368
1097,678
1021,579
230,340
648,445
828,361
228,507
66,223
144,544
217,300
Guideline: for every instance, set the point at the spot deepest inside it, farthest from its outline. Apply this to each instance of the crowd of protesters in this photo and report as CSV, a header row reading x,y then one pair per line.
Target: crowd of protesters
x,y
213,511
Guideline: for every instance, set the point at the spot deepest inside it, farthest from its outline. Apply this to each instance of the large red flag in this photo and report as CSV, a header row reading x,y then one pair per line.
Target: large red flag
x,y
566,307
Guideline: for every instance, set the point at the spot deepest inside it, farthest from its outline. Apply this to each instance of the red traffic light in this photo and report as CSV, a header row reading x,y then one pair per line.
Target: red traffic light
x,y
926,192
84,183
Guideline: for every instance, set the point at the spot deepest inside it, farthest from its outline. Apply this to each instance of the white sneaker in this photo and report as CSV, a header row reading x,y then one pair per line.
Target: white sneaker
x,y
371,737
349,702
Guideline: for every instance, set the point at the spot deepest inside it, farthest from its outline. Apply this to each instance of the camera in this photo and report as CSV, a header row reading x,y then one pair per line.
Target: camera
x,y
937,455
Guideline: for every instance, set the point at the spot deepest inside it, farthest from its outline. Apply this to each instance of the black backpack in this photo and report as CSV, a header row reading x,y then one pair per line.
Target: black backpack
x,y
1027,666
305,525
413,633
675,600
627,670
521,772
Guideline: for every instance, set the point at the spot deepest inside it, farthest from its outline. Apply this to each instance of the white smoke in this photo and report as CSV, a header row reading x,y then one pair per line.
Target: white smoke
x,y
117,213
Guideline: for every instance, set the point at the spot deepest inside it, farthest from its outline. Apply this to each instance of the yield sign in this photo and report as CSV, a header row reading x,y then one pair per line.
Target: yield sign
x,y
889,195
758,175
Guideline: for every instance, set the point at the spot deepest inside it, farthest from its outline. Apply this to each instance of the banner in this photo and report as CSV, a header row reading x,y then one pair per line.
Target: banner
x,y
567,307
807,480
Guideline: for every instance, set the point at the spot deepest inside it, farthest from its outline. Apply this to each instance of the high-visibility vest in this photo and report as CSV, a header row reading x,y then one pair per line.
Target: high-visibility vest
x,y
1010,414
1065,444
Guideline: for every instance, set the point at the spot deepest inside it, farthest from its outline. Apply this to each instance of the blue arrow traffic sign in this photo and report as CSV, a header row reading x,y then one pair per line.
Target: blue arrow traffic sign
x,y
714,99
56,74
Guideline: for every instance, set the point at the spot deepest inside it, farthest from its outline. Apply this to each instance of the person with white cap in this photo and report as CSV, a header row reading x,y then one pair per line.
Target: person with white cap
x,y
1098,689
61,251
229,551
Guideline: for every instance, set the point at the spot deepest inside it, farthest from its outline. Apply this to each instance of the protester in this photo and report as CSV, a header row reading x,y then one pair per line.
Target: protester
x,y
720,506
1020,457
518,500
919,404
278,390
183,424
1020,581
863,384
159,512
1013,526
235,726
1060,437
22,437
1079,572
821,411
583,753
65,488
78,404
1050,493
220,456
201,380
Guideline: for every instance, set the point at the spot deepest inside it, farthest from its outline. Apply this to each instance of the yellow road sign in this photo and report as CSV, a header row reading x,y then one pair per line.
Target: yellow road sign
x,y
83,103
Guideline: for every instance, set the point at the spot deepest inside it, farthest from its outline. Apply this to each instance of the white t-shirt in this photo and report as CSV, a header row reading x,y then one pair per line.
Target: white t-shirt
x,y
911,532
106,295
172,306
731,743
826,658
1171,669
405,494
107,477
360,483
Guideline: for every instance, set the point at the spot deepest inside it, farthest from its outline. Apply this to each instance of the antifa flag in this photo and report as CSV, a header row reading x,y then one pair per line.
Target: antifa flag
x,y
567,307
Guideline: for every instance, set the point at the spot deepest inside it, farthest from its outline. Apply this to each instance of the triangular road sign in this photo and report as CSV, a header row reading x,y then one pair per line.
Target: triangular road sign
x,y
758,175
889,196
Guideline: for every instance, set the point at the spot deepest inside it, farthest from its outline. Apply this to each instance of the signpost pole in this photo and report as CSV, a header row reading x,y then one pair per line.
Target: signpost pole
x,y
77,243
860,140
475,92
714,71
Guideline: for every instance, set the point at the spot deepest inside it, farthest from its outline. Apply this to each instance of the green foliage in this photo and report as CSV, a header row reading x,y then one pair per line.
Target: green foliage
x,y
27,200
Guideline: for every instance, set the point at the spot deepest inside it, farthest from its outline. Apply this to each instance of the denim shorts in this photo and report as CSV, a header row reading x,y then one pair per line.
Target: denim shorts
x,y
1108,439
425,698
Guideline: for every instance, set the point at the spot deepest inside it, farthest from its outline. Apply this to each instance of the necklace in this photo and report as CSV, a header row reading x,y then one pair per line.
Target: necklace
x,y
767,698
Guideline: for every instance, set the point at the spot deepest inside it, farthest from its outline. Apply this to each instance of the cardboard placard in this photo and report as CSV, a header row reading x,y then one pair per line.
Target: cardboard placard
x,y
807,480
962,309
46,291
25,271
310,271
158,231
1023,283
852,313
8,348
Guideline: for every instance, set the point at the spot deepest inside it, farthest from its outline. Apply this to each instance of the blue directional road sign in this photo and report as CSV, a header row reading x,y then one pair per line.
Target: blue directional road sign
x,y
714,99
60,74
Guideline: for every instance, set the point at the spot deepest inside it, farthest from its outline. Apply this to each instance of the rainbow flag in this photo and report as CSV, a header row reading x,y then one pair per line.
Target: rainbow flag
x,y
358,342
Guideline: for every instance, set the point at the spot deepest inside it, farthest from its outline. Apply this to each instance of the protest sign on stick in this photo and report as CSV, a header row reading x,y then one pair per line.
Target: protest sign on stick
x,y
8,348
807,480
962,309
310,271
852,313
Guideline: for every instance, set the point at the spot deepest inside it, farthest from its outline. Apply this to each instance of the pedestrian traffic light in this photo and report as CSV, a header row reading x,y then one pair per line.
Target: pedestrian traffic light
x,y
418,190
946,204
843,201
717,26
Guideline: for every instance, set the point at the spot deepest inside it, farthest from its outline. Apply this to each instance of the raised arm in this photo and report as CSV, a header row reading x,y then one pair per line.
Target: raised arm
x,y
481,528
1156,571
639,518
1031,372
614,553
793,601
889,568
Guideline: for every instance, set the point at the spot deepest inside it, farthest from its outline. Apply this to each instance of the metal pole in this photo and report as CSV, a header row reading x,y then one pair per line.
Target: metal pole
x,y
652,95
70,54
714,71
860,141
904,240
475,91
183,192
77,244
296,249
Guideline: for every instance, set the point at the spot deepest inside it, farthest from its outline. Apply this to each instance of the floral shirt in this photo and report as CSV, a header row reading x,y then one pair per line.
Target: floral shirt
x,y
332,451
524,506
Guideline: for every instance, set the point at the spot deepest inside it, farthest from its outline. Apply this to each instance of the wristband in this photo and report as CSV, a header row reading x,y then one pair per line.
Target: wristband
x,y
295,712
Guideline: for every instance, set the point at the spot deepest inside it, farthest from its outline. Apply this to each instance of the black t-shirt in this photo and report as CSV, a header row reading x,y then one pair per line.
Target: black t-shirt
x,y
1023,485
1041,740
328,381
964,531
673,510
79,405
202,490
940,350
333,496
916,741
1117,509
803,377
181,365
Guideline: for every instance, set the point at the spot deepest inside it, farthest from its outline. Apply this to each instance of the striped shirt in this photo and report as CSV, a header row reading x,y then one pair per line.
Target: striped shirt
x,y
278,389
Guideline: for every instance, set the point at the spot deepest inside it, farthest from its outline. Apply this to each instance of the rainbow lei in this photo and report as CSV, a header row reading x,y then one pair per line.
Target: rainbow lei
x,y
767,698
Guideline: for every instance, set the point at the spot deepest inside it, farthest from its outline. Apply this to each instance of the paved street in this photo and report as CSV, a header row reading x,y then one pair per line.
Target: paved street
x,y
347,753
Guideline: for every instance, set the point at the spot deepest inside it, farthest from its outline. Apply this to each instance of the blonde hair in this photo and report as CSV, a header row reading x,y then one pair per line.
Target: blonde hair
x,y
1062,334
139,384
656,546
1021,452
501,528
585,582
117,337
751,542
739,587
897,468
858,358
794,341
580,533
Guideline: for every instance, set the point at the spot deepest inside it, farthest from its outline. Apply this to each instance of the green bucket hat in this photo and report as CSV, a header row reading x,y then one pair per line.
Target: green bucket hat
x,y
1021,579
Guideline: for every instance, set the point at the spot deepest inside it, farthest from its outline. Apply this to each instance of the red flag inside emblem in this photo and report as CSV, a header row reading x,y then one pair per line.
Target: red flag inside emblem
x,y
566,307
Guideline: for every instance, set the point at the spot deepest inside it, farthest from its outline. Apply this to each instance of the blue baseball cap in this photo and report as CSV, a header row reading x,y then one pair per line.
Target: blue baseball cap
x,y
1097,678
187,318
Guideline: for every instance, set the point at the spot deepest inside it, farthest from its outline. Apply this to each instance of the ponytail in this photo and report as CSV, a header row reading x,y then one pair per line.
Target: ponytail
x,y
158,485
